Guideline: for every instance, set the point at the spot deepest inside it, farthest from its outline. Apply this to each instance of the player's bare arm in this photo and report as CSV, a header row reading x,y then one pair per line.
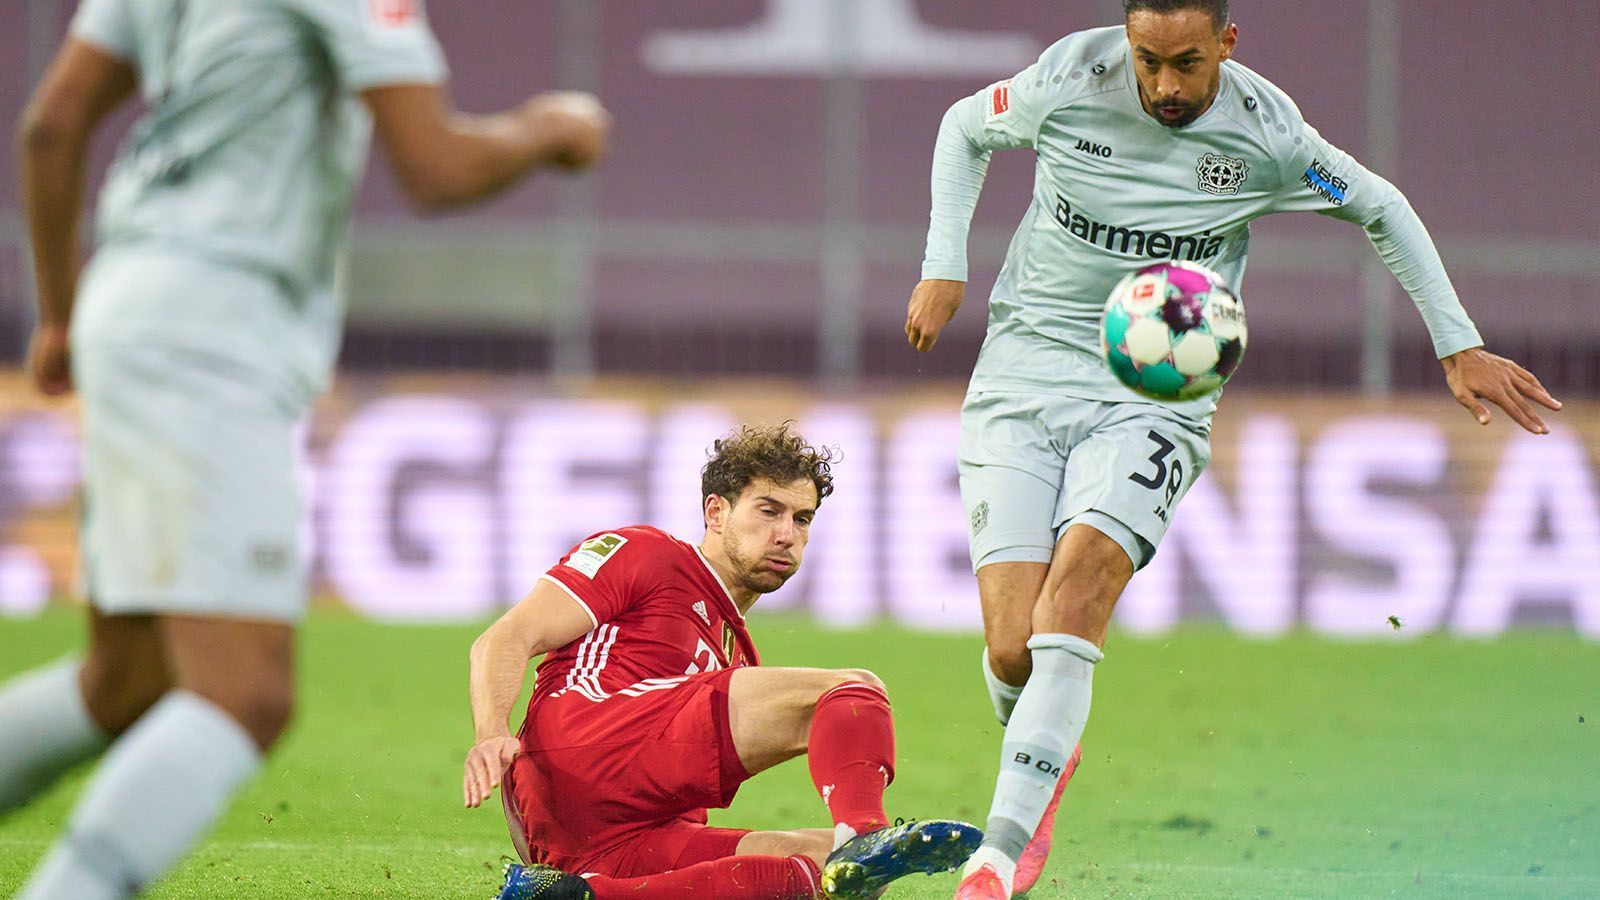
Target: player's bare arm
x,y
81,87
933,302
445,158
542,621
1475,375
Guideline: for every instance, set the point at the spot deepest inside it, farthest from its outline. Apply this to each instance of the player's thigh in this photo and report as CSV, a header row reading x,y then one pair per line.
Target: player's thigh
x,y
191,501
1011,466
1129,473
246,667
1087,576
770,709
125,670
1010,470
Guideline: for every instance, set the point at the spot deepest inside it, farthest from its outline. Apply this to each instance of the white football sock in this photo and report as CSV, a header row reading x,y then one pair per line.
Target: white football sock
x,y
1002,695
161,786
1045,726
1003,865
48,731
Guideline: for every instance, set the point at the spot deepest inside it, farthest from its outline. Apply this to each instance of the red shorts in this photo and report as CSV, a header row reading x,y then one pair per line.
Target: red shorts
x,y
621,787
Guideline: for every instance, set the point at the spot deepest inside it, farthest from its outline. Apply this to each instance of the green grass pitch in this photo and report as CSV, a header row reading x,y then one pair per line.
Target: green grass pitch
x,y
1214,767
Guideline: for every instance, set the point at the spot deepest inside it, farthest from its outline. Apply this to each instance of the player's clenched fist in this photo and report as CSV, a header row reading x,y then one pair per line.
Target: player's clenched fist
x,y
933,302
487,761
571,126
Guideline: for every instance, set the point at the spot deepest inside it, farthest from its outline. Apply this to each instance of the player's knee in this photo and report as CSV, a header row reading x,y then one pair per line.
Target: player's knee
x,y
1011,660
861,676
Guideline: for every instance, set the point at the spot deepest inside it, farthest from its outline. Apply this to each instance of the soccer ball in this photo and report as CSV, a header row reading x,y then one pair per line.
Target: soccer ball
x,y
1173,331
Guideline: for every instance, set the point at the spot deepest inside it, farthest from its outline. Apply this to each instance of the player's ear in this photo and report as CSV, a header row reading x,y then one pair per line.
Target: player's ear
x,y
716,512
1230,40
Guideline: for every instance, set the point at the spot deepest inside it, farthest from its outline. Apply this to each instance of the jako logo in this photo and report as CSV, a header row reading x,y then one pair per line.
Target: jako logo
x,y
1094,149
1154,244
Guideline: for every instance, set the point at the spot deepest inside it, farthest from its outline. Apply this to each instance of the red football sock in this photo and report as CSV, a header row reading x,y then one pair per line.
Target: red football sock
x,y
851,752
729,878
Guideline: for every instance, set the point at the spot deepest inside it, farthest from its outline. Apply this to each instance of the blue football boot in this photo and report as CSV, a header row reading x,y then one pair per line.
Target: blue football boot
x,y
539,882
864,865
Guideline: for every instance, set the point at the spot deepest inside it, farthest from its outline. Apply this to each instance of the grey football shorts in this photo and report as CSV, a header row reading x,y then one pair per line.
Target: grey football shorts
x,y
191,500
1034,464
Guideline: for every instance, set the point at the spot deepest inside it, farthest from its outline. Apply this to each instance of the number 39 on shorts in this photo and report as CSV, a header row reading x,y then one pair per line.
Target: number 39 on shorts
x,y
1163,476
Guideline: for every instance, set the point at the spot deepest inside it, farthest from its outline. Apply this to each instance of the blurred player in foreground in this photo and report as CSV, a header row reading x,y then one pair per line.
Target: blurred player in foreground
x,y
201,330
1152,144
650,707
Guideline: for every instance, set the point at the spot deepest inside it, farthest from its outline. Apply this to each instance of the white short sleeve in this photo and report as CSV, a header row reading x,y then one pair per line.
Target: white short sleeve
x,y
377,42
106,24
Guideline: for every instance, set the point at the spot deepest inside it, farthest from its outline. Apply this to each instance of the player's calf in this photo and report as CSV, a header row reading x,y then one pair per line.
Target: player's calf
x,y
851,756
813,843
244,668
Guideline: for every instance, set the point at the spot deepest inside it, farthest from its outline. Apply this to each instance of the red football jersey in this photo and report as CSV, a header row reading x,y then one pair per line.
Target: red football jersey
x,y
659,610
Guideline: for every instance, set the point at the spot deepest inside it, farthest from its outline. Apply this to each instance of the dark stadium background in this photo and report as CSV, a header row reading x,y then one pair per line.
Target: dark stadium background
x,y
793,203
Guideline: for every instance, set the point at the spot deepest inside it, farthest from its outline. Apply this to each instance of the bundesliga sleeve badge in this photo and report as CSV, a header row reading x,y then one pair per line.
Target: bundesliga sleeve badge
x,y
1221,175
595,552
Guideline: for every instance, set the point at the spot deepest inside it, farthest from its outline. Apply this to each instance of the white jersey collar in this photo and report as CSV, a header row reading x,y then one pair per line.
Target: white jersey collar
x,y
725,592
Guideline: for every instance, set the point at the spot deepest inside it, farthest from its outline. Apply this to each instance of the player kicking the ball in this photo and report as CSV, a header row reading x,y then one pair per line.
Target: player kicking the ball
x,y
650,707
1152,144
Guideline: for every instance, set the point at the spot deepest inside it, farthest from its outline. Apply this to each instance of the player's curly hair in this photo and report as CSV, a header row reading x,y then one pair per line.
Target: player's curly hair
x,y
774,452
1217,9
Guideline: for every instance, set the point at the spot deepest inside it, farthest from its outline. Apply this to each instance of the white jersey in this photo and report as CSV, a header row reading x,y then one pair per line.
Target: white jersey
x,y
1115,190
248,156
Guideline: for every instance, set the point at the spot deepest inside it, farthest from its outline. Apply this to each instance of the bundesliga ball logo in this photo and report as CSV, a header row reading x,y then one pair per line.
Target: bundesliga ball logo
x,y
1173,331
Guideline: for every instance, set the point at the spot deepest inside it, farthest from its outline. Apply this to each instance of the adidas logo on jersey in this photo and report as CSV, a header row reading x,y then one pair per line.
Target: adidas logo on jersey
x,y
700,610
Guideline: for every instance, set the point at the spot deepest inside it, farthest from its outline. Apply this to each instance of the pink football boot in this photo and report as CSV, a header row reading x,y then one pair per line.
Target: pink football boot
x,y
983,884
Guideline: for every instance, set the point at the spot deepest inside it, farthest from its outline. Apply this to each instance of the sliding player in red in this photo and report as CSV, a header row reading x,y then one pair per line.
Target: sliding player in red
x,y
650,707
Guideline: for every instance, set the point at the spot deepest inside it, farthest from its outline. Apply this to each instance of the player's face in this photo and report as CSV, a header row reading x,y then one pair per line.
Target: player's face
x,y
764,532
1177,59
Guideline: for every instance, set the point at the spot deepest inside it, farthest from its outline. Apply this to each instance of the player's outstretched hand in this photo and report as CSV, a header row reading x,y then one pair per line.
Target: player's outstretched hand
x,y
572,127
933,302
487,762
48,360
1476,375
